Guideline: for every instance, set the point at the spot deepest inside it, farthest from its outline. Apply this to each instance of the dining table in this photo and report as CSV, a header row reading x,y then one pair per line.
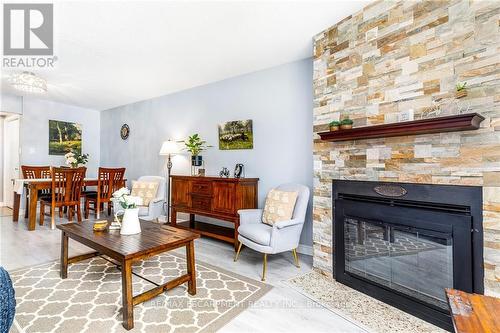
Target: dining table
x,y
33,186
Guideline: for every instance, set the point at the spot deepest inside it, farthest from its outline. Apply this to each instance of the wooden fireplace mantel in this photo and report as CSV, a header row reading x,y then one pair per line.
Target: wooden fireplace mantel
x,y
461,122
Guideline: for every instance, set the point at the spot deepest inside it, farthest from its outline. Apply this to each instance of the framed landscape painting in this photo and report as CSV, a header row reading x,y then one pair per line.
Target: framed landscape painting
x,y
236,135
64,137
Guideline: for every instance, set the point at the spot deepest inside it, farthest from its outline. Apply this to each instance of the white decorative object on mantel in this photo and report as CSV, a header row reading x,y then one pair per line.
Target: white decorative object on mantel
x,y
446,107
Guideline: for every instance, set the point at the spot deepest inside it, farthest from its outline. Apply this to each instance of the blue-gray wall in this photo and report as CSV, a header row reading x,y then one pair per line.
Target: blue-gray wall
x,y
278,100
34,130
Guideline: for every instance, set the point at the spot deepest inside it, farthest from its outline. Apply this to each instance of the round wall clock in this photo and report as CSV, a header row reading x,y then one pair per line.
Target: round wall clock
x,y
124,131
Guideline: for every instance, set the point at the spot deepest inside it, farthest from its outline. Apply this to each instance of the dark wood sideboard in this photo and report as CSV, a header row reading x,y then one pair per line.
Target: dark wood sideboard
x,y
215,197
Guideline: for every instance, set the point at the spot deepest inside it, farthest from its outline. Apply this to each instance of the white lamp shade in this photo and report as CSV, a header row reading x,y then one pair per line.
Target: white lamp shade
x,y
169,147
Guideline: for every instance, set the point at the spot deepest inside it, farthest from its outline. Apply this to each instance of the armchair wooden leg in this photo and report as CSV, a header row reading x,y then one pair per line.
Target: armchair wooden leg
x,y
264,267
296,258
238,252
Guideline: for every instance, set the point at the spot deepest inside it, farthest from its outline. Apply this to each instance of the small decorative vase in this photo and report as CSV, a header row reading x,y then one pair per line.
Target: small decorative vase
x,y
130,222
196,160
346,126
334,128
117,221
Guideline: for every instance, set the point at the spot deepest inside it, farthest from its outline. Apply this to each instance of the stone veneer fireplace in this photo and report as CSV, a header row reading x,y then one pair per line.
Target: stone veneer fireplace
x,y
388,58
405,243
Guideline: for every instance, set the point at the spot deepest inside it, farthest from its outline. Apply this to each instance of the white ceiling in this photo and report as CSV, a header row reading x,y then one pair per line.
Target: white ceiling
x,y
113,53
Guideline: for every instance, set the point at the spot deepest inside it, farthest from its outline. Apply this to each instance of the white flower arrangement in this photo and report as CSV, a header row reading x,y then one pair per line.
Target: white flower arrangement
x,y
126,200
74,160
70,159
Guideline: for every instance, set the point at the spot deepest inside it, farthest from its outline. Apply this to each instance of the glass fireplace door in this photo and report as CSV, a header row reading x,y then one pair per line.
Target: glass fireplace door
x,y
412,261
404,243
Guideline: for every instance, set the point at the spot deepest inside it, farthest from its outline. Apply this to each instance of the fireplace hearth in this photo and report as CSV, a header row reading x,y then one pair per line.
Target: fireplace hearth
x,y
405,243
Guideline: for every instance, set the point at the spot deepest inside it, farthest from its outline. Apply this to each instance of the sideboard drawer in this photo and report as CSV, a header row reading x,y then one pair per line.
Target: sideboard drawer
x,y
204,188
200,202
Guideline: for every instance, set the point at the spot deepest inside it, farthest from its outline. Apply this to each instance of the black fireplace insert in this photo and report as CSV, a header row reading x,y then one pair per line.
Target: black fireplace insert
x,y
405,243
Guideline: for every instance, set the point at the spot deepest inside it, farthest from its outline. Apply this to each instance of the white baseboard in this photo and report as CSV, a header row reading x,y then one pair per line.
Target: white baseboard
x,y
305,249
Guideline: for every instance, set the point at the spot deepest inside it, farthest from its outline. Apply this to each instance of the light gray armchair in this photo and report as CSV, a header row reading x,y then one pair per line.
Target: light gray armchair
x,y
155,208
282,236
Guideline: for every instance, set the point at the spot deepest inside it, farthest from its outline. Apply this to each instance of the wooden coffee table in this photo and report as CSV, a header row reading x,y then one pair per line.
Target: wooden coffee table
x,y
153,240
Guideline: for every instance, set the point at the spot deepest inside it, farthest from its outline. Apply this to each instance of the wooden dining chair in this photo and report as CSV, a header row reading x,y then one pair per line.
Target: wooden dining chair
x,y
109,180
35,172
66,188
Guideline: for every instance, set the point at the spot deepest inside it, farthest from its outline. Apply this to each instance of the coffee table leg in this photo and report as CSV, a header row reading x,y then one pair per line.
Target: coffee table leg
x,y
191,268
64,255
127,297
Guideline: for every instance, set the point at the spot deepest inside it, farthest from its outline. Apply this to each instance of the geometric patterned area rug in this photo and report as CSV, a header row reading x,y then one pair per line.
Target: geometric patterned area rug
x,y
89,300
368,313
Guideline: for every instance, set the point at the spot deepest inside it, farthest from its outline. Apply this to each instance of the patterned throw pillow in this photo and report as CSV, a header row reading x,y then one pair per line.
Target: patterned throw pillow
x,y
145,190
279,206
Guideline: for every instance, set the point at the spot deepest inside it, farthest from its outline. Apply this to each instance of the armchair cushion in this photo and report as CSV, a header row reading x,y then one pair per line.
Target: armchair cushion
x,y
279,206
257,232
145,190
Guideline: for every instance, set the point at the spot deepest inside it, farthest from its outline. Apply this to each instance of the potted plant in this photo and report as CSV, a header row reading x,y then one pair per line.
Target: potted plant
x,y
334,125
346,123
461,91
74,160
195,145
130,224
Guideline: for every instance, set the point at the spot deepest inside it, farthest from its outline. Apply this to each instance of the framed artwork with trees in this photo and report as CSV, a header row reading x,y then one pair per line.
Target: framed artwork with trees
x,y
64,137
236,135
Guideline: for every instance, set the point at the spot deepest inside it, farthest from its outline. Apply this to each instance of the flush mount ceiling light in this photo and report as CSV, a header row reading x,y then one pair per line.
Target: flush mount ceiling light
x,y
29,82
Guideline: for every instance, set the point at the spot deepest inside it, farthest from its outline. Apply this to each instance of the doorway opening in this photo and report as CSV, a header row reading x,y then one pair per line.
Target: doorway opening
x,y
9,156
